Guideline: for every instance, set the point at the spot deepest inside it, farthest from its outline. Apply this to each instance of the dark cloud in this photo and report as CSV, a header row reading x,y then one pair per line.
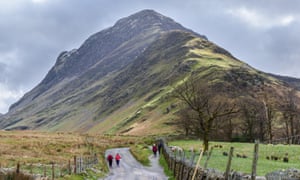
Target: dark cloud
x,y
264,34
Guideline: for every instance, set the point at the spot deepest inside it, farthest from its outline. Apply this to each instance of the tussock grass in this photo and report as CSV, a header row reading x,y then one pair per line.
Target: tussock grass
x,y
141,153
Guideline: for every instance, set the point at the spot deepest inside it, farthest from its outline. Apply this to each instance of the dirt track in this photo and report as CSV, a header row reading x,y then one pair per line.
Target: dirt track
x,y
131,169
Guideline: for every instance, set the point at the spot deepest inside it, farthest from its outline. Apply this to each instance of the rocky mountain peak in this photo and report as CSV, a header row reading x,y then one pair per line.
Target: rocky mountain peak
x,y
147,18
146,24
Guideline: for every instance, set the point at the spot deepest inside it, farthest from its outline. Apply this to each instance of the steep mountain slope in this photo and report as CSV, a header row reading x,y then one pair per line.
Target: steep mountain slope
x,y
121,79
82,71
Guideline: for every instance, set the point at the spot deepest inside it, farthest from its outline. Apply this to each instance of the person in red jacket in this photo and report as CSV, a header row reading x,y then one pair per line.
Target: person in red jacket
x,y
110,160
118,157
154,149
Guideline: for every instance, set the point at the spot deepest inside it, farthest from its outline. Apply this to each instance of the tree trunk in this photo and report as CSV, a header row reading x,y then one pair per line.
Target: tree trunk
x,y
186,131
292,128
268,112
205,142
261,130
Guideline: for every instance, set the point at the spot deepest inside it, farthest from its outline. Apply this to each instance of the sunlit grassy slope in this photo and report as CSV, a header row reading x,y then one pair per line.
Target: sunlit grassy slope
x,y
152,108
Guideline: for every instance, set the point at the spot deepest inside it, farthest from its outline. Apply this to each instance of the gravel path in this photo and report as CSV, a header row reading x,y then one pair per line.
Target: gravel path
x,y
131,169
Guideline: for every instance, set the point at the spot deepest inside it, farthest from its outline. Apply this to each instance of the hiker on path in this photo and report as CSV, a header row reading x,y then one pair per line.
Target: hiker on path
x,y
159,147
118,158
154,149
110,160
130,169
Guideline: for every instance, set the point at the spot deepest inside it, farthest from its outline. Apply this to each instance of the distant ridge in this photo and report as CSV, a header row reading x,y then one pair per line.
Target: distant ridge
x,y
294,82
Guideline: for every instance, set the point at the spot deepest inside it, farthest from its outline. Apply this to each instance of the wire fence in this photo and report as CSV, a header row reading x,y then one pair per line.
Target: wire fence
x,y
23,171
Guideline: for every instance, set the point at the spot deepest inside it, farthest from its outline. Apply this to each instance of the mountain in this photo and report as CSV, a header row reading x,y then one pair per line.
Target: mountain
x,y
85,72
120,80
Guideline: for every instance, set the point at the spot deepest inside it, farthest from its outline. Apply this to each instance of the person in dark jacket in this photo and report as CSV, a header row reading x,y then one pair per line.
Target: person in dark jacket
x,y
159,147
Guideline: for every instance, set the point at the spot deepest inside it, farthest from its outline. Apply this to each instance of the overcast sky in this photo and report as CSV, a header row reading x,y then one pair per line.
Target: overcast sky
x,y
263,33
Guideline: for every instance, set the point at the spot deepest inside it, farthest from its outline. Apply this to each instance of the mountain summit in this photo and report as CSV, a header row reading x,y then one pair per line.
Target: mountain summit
x,y
136,31
120,79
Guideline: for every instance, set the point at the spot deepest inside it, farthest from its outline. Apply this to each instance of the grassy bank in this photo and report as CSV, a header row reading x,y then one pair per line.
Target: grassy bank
x,y
141,153
167,171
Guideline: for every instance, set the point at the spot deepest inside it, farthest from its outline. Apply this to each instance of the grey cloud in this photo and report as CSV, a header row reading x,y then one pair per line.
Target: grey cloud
x,y
2,72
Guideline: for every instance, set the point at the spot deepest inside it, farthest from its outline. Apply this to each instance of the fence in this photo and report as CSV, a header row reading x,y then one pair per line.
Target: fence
x,y
286,140
184,167
51,171
84,162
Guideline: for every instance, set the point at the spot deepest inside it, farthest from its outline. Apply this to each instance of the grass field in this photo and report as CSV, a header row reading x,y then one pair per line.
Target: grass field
x,y
219,161
35,150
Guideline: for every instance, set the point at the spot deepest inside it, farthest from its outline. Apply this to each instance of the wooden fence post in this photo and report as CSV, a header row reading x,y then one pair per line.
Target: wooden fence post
x,y
95,159
174,164
197,165
69,167
30,169
182,167
18,168
180,174
255,159
75,165
229,163
45,171
170,162
80,164
187,173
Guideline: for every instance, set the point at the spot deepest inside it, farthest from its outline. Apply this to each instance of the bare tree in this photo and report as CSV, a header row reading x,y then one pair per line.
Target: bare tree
x,y
206,106
266,95
290,112
185,121
270,112
224,128
252,115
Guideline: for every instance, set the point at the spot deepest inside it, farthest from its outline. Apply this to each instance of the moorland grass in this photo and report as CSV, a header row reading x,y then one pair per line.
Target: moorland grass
x,y
35,150
141,153
219,161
